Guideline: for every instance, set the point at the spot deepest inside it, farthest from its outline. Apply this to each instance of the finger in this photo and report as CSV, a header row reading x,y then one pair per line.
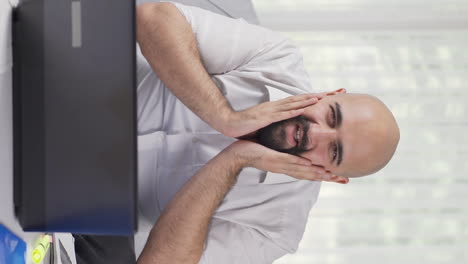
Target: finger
x,y
345,181
292,159
299,167
311,173
314,173
297,104
338,179
297,98
275,117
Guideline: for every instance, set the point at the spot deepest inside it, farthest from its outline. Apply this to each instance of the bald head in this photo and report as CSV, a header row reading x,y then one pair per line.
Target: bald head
x,y
372,132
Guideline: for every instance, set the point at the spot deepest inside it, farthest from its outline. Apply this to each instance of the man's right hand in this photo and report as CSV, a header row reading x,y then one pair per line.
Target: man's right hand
x,y
257,156
248,121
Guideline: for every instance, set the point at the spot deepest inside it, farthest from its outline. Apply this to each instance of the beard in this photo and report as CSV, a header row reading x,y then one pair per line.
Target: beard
x,y
274,135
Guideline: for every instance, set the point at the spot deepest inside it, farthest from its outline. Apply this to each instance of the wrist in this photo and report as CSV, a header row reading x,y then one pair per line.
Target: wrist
x,y
236,154
226,117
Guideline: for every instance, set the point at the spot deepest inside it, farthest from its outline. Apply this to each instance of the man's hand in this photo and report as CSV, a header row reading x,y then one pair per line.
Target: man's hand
x,y
263,158
245,122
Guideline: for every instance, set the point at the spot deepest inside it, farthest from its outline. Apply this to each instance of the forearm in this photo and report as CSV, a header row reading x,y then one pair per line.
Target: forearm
x,y
180,232
167,41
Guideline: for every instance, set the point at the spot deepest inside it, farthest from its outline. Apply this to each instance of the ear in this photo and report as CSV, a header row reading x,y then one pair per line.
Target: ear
x,y
339,91
339,179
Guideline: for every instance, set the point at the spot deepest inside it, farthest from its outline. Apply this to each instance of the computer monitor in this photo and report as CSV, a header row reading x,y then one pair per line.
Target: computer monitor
x,y
74,100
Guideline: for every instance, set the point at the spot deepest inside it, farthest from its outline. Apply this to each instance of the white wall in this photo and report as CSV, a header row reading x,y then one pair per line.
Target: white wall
x,y
413,55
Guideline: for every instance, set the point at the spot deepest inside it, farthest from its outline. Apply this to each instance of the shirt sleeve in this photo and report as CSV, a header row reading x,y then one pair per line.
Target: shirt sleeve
x,y
230,243
226,44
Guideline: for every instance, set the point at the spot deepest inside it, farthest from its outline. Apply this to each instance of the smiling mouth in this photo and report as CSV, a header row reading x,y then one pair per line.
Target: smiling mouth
x,y
297,136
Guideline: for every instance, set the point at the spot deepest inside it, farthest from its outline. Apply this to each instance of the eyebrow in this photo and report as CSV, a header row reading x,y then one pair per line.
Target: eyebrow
x,y
340,153
339,115
339,120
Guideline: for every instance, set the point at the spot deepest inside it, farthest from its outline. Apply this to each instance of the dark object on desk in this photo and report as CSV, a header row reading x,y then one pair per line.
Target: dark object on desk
x,y
104,249
74,100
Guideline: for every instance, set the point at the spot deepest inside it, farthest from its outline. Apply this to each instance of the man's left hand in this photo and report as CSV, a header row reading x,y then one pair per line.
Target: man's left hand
x,y
257,156
248,121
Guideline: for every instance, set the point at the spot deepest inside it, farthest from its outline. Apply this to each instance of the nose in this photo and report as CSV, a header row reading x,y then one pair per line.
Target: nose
x,y
319,140
322,134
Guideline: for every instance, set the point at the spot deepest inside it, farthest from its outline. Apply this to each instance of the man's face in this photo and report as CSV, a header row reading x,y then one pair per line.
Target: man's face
x,y
341,133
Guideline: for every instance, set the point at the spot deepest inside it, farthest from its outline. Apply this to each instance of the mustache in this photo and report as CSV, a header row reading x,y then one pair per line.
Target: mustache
x,y
274,135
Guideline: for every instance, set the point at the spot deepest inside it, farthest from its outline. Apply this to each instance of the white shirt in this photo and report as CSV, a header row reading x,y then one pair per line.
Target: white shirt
x,y
264,215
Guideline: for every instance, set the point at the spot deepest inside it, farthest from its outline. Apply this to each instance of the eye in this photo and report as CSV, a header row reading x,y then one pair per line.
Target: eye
x,y
335,152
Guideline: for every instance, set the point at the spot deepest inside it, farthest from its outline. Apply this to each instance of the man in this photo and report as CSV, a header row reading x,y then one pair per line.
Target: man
x,y
206,81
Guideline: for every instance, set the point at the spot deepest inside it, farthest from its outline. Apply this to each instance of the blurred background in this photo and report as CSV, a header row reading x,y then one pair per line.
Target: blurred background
x,y
413,54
